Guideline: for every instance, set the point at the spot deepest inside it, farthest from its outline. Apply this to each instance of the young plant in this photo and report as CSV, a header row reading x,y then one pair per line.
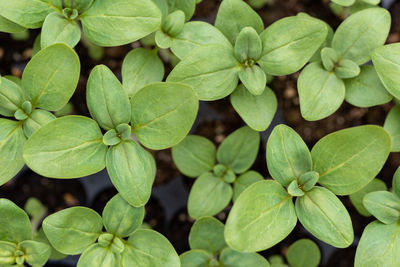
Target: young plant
x,y
302,253
16,239
323,85
380,242
47,84
342,163
208,248
392,126
161,115
212,191
75,230
104,22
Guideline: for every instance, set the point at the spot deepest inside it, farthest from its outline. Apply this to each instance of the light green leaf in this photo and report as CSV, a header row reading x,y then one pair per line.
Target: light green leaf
x,y
234,15
9,26
329,58
320,92
7,250
41,237
194,155
12,140
288,156
231,258
163,113
11,97
366,90
303,253
106,99
383,205
207,234
27,13
72,230
347,69
15,223
187,6
163,40
173,24
349,159
287,53
149,248
35,253
141,67
386,60
132,171
357,197
248,45
379,246
396,182
50,78
99,256
212,70
261,217
254,79
344,2
239,150
81,152
324,216
256,111
118,22
36,120
392,126
208,196
195,34
244,181
57,29
358,36
195,258
80,5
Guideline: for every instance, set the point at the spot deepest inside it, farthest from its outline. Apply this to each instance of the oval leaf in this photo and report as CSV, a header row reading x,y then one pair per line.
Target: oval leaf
x,y
207,233
35,253
15,223
243,181
392,126
11,97
57,29
384,205
303,253
195,258
231,258
99,256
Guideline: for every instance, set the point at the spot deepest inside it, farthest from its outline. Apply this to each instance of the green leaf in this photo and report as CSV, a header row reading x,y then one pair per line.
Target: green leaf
x,y
251,227
366,90
287,53
344,2
392,126
163,40
328,40
357,197
173,24
141,67
358,36
396,182
294,189
207,233
81,152
149,248
15,223
12,140
287,155
9,26
248,45
35,208
254,79
347,69
80,5
349,159
11,97
324,216
320,92
239,150
208,196
379,246
195,258
243,181
256,111
386,60
187,6
118,22
36,120
96,255
194,155
132,171
329,58
303,253
234,15
50,78
41,237
26,13
383,205
195,34
7,250
163,113
106,99
231,258
57,29
212,70
35,253
72,230
120,218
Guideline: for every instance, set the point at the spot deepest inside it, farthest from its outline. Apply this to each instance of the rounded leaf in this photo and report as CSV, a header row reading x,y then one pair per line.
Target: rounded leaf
x,y
383,205
80,153
11,97
9,26
163,121
35,253
187,6
254,79
72,230
7,250
207,233
57,29
99,256
15,223
36,120
262,216
349,159
243,181
231,258
248,45
195,258
303,253
194,155
392,126
396,182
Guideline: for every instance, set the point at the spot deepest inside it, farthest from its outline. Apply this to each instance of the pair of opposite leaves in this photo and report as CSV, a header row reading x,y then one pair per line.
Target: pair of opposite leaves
x,y
346,161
